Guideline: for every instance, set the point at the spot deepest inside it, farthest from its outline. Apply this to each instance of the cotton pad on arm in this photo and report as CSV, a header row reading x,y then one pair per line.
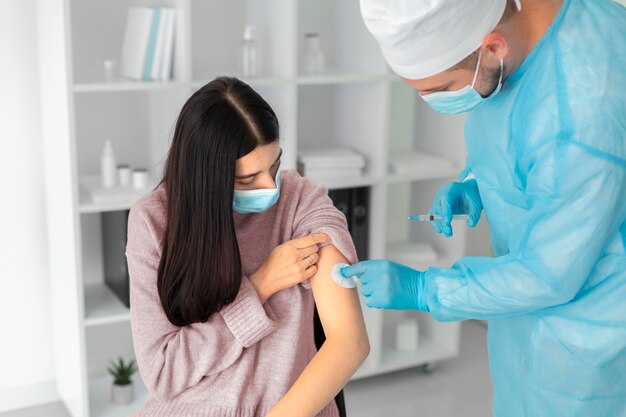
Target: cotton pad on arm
x,y
340,279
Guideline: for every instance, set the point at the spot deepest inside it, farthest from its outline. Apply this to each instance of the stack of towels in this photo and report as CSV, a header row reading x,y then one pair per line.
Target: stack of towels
x,y
326,164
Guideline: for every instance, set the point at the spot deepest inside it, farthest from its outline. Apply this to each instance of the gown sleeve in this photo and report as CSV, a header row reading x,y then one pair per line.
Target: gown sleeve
x,y
577,201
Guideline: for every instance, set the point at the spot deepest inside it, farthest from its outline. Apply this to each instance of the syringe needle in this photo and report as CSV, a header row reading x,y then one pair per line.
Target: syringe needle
x,y
435,217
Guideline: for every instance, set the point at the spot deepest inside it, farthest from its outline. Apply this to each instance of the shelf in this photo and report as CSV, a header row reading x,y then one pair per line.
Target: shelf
x,y
127,86
89,207
101,406
340,183
321,79
412,165
442,175
342,116
356,103
253,82
127,197
103,307
392,359
428,351
345,41
335,77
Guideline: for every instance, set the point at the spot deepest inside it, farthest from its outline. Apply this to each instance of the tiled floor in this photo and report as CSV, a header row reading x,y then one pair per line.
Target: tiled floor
x,y
460,387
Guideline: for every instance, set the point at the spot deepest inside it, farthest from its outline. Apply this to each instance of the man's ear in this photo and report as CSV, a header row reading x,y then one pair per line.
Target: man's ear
x,y
496,45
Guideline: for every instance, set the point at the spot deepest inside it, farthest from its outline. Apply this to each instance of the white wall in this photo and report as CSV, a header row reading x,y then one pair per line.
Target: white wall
x,y
26,364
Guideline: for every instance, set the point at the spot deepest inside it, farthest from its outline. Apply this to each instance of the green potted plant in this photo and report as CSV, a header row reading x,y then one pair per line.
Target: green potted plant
x,y
122,390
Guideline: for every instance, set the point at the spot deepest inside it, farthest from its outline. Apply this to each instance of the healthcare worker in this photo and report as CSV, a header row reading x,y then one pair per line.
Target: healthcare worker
x,y
545,84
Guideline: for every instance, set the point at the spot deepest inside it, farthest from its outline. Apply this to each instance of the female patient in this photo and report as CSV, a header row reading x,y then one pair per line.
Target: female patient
x,y
228,257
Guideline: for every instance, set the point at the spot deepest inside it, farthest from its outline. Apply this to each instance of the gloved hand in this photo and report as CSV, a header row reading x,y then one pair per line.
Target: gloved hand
x,y
386,284
456,198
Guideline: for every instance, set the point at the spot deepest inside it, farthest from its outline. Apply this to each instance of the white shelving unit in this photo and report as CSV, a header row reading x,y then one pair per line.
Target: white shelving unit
x,y
357,103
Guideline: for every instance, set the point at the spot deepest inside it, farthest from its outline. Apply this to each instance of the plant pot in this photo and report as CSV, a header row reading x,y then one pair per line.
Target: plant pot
x,y
122,394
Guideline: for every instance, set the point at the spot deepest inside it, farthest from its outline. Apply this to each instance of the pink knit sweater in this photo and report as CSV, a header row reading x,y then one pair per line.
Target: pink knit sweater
x,y
243,360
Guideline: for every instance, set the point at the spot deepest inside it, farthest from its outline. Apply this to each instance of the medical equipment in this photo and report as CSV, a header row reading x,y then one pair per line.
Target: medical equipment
x,y
463,100
435,217
313,61
456,198
140,178
340,279
108,167
421,38
390,285
124,173
257,201
249,53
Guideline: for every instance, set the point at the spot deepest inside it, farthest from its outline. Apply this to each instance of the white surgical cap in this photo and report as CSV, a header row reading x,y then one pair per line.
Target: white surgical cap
x,y
420,38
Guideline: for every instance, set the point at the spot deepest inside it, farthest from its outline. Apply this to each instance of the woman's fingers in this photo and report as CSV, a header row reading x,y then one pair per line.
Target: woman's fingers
x,y
309,272
308,251
310,240
310,260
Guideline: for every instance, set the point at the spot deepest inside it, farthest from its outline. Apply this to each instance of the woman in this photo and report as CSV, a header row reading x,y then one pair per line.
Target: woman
x,y
228,257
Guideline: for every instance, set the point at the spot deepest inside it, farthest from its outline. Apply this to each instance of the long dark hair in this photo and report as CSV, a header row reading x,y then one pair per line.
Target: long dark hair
x,y
200,267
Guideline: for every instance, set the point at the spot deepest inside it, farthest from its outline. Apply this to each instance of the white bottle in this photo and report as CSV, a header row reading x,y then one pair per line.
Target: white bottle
x,y
249,53
313,61
108,167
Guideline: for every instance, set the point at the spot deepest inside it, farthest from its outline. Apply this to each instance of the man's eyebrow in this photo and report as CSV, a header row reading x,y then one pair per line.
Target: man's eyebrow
x,y
440,88
243,177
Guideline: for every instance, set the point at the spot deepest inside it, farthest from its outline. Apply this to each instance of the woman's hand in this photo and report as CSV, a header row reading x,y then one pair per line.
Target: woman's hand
x,y
287,265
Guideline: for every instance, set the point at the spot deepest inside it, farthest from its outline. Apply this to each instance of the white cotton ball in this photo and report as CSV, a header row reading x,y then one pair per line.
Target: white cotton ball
x,y
340,279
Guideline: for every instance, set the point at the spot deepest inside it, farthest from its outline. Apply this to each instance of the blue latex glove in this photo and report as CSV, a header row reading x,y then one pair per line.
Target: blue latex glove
x,y
456,198
386,284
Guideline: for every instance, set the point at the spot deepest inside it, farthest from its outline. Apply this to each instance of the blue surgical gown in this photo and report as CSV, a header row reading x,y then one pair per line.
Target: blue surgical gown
x,y
549,156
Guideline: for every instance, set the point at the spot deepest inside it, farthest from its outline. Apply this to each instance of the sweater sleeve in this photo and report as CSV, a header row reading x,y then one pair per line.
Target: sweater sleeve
x,y
171,358
316,214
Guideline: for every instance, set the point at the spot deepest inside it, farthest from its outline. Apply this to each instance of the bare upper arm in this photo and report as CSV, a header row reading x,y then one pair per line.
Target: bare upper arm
x,y
339,308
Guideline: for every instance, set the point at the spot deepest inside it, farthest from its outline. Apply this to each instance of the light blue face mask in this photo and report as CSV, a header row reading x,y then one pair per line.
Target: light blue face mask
x,y
257,201
463,100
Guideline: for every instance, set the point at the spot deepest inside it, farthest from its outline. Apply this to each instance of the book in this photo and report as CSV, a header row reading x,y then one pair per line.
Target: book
x,y
91,190
135,44
151,46
159,46
148,46
168,46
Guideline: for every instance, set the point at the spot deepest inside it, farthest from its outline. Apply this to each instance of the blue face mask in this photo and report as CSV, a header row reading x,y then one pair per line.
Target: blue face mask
x,y
257,201
463,100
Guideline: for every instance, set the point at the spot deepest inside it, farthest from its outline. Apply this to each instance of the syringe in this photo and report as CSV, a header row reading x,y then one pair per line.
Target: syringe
x,y
435,217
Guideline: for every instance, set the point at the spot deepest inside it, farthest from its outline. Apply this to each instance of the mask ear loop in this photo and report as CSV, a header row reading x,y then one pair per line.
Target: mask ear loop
x,y
480,53
518,4
500,80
